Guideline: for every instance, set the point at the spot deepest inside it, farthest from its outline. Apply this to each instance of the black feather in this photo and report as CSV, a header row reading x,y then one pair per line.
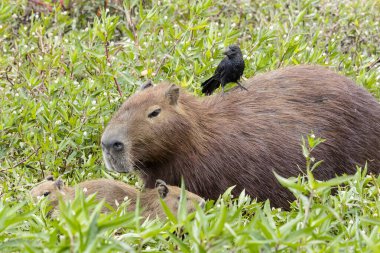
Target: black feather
x,y
230,69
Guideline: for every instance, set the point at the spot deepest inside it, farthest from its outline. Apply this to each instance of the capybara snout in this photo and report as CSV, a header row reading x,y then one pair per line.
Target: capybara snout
x,y
112,140
114,147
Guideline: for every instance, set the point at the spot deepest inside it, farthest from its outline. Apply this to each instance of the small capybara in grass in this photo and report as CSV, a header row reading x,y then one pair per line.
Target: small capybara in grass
x,y
115,192
242,137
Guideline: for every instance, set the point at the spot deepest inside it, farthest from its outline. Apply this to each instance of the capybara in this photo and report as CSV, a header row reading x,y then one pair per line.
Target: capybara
x,y
242,137
115,192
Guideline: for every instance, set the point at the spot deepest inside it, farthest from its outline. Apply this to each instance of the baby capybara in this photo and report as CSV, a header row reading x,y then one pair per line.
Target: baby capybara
x,y
242,137
115,192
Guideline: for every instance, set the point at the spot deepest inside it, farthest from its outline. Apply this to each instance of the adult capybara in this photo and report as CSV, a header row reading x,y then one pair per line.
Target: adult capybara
x,y
115,192
242,137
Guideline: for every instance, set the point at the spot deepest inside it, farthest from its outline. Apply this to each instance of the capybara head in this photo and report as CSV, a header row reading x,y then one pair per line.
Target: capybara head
x,y
50,189
171,195
146,129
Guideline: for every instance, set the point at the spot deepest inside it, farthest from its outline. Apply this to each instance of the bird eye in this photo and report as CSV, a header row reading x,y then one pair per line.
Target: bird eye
x,y
154,113
46,194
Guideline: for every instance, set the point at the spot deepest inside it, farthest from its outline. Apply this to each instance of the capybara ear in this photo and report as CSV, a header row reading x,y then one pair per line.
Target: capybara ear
x,y
159,182
49,178
172,94
162,188
59,184
147,84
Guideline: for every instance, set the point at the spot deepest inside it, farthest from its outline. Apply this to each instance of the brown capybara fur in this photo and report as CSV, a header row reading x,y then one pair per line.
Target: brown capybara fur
x,y
241,137
114,193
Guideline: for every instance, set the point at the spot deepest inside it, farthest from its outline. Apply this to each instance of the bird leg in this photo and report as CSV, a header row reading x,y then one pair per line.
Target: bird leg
x,y
241,86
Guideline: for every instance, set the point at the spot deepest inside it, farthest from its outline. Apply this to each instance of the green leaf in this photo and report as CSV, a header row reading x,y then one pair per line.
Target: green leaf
x,y
300,17
180,244
218,226
290,183
168,212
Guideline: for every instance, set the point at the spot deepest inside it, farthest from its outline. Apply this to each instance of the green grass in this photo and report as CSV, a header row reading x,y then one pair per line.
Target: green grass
x,y
59,72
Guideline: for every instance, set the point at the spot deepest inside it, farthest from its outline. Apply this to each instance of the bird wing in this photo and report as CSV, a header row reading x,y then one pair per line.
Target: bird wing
x,y
210,85
213,82
240,67
219,71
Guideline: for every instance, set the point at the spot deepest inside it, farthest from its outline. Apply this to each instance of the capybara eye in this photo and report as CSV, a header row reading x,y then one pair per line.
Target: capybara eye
x,y
46,194
154,113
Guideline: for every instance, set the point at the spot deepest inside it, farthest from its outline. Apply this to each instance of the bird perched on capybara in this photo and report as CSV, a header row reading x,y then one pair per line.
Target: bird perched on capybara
x,y
230,69
242,137
115,192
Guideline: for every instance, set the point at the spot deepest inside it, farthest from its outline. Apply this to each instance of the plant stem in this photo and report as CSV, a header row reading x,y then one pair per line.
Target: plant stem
x,y
110,65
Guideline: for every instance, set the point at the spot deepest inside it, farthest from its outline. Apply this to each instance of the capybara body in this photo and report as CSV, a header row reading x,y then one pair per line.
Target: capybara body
x,y
241,137
115,192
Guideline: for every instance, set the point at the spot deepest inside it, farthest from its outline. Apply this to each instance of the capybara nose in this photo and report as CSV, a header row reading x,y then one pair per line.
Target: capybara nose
x,y
112,145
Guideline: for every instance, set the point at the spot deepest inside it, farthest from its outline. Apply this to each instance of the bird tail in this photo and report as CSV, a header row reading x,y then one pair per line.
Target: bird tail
x,y
210,85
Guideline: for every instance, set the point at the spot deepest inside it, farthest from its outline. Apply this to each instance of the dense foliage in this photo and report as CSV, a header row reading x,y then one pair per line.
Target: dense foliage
x,y
65,67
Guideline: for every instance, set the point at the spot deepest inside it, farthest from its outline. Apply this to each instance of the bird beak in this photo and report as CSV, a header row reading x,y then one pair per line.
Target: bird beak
x,y
227,51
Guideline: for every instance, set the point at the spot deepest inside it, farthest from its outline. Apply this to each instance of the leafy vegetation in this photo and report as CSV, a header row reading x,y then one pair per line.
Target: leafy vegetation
x,y
66,68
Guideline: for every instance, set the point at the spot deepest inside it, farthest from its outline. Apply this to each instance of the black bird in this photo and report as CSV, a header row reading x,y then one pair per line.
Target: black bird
x,y
230,69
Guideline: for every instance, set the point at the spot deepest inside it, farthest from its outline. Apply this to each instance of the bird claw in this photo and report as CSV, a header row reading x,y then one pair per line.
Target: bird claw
x,y
241,86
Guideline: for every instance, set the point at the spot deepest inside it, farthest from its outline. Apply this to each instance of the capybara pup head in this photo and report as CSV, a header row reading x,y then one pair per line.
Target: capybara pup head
x,y
171,195
145,130
50,189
